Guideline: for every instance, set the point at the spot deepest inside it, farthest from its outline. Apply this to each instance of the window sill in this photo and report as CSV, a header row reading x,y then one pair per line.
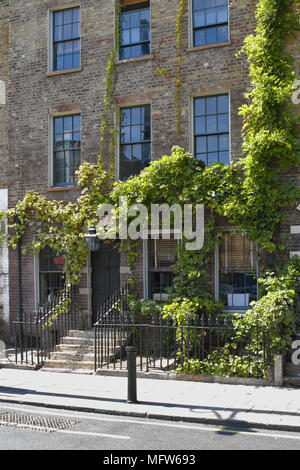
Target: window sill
x,y
135,59
62,72
209,46
62,188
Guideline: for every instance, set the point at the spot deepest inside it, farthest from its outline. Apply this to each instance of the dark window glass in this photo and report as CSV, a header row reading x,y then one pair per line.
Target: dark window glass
x,y
135,140
66,149
50,274
211,129
238,270
135,31
162,255
66,39
210,21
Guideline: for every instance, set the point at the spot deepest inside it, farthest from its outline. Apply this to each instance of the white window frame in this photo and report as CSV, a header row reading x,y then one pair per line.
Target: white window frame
x,y
50,34
191,118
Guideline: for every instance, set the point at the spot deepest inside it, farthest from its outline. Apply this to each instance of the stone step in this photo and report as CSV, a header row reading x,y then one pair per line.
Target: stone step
x,y
77,356
74,348
82,333
64,364
78,341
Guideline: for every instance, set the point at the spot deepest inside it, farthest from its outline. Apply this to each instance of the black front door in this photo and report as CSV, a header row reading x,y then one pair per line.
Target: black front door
x,y
105,274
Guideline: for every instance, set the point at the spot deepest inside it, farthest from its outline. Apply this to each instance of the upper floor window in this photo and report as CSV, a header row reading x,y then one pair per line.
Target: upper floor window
x,y
135,31
210,22
66,149
211,129
66,39
135,140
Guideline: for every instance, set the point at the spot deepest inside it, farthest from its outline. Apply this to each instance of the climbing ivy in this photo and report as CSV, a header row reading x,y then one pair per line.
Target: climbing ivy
x,y
250,193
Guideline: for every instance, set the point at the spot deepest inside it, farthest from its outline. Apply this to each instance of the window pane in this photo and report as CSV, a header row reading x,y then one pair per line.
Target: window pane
x,y
126,152
136,133
200,125
58,142
212,158
58,33
76,15
76,123
211,16
212,143
76,60
58,125
222,33
137,152
211,124
224,158
146,152
76,30
76,140
223,104
199,107
199,37
224,142
68,124
223,123
134,19
135,35
211,36
135,115
125,37
199,19
202,157
67,16
58,18
201,145
222,13
68,141
125,134
211,105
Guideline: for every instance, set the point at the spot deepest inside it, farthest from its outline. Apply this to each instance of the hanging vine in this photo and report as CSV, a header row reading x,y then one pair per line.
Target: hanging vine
x,y
251,193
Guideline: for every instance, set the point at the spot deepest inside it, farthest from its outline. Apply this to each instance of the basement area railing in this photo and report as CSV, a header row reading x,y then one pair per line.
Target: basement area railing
x,y
162,345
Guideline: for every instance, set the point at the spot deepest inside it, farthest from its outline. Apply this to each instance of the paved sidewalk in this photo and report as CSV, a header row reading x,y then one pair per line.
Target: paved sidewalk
x,y
239,405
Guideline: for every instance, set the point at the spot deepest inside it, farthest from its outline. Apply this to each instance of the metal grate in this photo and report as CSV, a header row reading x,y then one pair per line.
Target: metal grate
x,y
35,423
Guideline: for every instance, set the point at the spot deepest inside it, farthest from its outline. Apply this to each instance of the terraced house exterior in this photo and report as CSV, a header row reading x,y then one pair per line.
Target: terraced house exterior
x,y
53,58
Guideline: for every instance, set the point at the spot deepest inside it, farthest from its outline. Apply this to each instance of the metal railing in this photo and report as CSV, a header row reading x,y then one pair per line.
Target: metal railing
x,y
162,345
40,331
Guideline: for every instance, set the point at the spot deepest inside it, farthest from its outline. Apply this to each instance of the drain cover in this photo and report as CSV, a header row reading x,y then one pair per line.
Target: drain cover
x,y
36,423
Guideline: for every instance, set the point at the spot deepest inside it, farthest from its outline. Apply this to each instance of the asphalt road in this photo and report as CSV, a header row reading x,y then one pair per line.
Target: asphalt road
x,y
87,431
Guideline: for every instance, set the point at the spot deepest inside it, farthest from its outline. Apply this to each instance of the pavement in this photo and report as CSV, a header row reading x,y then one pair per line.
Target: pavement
x,y
210,403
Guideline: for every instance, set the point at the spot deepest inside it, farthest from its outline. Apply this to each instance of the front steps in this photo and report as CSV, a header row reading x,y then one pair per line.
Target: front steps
x,y
76,353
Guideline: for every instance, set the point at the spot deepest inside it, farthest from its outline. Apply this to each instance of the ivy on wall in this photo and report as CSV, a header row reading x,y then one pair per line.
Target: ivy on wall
x,y
251,193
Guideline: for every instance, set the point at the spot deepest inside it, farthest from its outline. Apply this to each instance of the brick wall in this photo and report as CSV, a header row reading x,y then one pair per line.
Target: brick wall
x,y
34,94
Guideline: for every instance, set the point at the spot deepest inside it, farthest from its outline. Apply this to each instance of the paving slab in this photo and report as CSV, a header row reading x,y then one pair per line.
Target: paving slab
x,y
234,405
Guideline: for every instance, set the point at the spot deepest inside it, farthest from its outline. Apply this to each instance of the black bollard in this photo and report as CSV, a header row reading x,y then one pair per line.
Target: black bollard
x,y
131,367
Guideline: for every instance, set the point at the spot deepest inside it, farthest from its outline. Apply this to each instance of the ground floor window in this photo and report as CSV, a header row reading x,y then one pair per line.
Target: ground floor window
x,y
162,254
50,274
237,270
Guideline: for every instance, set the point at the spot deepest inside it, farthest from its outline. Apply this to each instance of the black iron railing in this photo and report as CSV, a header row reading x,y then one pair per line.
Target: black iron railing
x,y
162,345
40,331
111,310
